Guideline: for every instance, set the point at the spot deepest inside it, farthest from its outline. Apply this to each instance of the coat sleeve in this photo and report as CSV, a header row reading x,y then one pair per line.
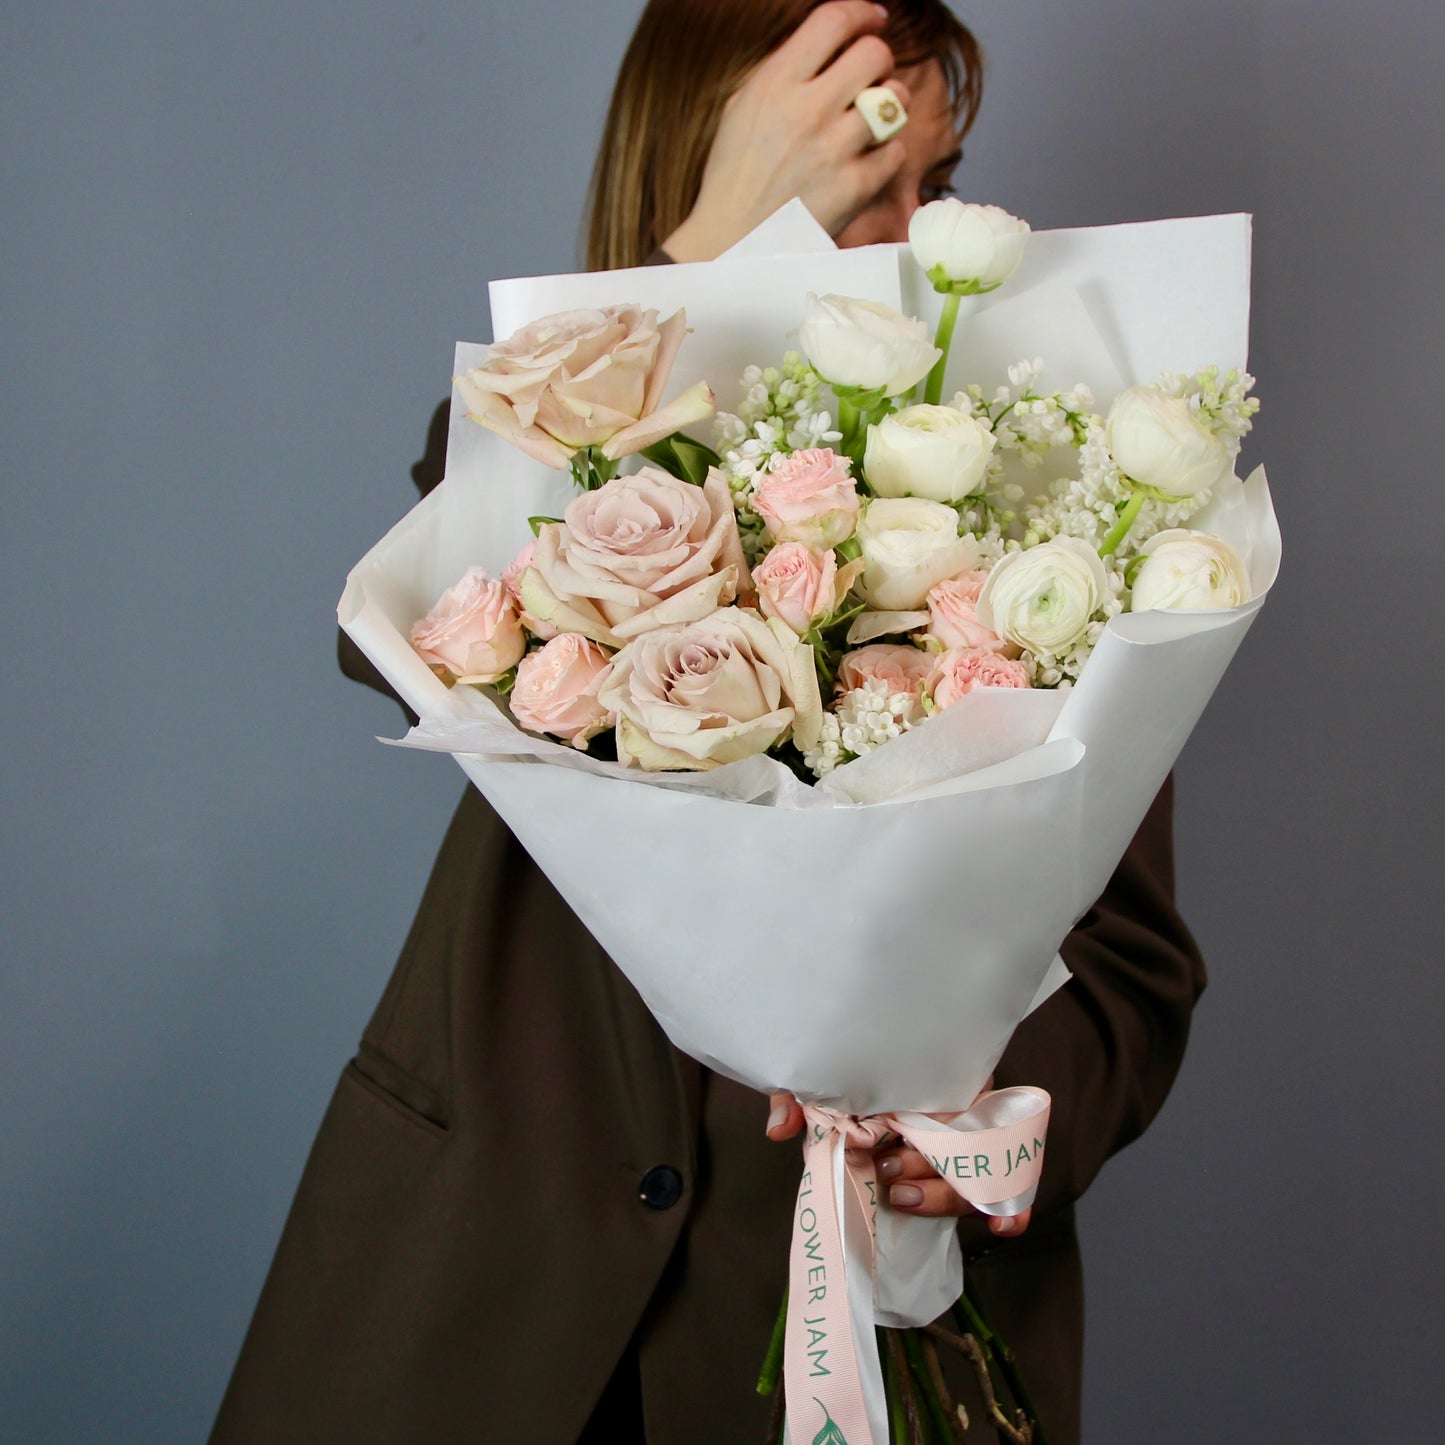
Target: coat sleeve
x,y
1109,1043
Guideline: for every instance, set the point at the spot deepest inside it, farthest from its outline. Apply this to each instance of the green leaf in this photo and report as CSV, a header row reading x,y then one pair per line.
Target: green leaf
x,y
537,523
682,457
695,458
830,1434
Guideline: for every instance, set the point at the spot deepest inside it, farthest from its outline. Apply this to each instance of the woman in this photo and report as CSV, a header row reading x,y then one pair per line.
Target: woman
x,y
526,1217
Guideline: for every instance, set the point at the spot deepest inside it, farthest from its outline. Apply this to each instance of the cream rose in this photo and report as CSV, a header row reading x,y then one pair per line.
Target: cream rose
x,y
1043,598
927,451
582,379
908,545
556,690
1186,571
810,498
953,615
799,586
972,247
643,551
863,344
473,633
958,671
712,692
1158,442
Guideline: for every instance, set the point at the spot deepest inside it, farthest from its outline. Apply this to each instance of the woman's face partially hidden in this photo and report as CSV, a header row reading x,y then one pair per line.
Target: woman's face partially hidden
x,y
933,153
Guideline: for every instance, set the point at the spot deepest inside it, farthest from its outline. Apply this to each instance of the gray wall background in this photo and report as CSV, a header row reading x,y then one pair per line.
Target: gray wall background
x,y
238,244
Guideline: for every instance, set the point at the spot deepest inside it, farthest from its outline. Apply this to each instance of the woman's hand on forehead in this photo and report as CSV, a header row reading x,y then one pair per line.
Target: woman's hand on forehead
x,y
790,130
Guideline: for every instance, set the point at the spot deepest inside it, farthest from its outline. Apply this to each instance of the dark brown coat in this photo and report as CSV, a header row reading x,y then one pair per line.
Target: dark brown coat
x,y
468,1256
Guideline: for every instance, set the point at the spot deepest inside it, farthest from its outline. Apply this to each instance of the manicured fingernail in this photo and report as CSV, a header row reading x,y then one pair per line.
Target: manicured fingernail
x,y
905,1196
778,1117
890,1167
1004,1226
882,11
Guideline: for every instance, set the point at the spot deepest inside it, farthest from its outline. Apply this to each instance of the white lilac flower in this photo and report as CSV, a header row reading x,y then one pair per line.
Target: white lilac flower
x,y
863,719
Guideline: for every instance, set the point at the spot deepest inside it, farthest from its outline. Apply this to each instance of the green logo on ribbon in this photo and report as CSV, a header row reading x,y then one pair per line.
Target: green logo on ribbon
x,y
830,1434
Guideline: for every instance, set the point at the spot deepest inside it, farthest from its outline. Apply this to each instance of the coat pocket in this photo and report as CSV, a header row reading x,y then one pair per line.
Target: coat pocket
x,y
415,1101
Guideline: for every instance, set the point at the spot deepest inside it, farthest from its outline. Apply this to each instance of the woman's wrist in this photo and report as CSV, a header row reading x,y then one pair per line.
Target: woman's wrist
x,y
695,240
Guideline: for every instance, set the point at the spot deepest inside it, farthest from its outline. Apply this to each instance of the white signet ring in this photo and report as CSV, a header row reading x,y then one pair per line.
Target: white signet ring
x,y
882,110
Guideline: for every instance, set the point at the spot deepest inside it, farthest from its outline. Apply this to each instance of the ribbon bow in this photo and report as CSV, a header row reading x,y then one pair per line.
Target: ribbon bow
x,y
991,1154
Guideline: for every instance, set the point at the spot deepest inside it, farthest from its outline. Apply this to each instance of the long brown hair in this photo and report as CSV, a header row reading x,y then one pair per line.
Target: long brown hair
x,y
685,59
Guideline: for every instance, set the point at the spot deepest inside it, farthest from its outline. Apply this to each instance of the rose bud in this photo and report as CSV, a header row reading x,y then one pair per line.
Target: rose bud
x,y
965,247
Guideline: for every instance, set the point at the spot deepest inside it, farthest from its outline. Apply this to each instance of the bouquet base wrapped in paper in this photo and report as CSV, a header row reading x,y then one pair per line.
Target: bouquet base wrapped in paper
x,y
869,939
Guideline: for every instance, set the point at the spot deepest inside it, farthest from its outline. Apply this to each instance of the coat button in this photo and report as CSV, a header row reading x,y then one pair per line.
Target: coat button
x,y
660,1187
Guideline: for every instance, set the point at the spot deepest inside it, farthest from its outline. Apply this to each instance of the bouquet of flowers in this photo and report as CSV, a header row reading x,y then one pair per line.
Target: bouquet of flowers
x,y
867,671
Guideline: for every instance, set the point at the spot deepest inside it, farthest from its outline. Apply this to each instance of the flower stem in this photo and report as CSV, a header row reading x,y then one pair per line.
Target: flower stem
x,y
924,1386
942,340
1120,529
773,1360
1000,1357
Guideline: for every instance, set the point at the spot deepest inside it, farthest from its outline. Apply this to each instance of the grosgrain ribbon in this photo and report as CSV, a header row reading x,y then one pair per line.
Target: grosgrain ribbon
x,y
991,1154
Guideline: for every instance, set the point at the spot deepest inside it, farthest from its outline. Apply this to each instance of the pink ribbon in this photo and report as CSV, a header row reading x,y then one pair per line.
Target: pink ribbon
x,y
992,1155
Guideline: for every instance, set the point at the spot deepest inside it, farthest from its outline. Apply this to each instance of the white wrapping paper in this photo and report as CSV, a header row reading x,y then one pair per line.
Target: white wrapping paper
x,y
869,943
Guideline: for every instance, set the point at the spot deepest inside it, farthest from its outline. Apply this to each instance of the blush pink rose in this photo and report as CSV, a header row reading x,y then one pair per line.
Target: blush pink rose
x,y
951,616
473,633
899,667
961,669
512,581
583,379
798,585
556,690
643,551
809,499
713,692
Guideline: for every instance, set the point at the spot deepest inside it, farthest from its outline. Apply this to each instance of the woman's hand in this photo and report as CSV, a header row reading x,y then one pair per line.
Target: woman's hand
x,y
914,1186
790,130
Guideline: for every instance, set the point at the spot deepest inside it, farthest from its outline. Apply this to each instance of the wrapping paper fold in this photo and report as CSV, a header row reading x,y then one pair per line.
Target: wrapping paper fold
x,y
870,943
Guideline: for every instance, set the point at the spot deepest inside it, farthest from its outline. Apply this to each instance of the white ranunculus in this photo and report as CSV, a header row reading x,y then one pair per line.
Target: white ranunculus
x,y
1044,597
972,246
1158,441
866,345
909,544
927,451
1188,571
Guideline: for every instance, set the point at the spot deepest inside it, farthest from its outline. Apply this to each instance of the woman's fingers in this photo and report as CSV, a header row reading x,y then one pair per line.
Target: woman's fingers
x,y
868,173
785,1121
821,36
865,62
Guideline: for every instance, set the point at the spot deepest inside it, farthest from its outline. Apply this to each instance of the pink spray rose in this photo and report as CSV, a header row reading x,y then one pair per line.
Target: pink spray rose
x,y
809,499
473,633
951,616
584,378
798,585
899,667
556,690
961,669
642,551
